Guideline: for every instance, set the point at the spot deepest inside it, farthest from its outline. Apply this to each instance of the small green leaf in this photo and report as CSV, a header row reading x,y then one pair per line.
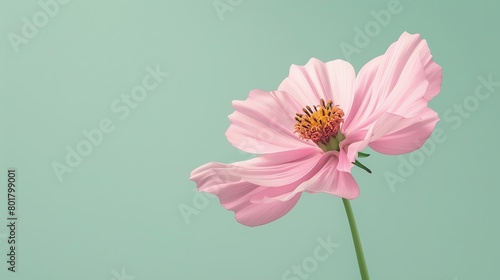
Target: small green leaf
x,y
360,165
363,155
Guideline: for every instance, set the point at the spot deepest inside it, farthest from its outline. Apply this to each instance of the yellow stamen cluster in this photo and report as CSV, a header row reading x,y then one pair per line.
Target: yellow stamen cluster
x,y
320,124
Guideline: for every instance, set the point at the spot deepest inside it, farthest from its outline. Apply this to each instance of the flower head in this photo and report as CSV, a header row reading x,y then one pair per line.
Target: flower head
x,y
322,125
308,133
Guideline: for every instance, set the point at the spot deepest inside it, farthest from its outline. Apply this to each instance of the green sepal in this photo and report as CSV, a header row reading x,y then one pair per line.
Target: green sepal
x,y
363,155
360,165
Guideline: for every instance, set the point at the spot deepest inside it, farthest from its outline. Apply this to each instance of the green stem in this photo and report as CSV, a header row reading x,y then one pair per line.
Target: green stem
x,y
363,269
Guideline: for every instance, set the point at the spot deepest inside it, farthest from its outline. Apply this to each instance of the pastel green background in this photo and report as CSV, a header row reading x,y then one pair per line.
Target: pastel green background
x,y
118,211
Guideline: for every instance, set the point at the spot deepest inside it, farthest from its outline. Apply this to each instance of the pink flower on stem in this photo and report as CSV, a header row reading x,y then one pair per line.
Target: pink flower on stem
x,y
310,132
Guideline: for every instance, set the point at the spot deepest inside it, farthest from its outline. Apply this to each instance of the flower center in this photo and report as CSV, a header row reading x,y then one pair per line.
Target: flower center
x,y
321,125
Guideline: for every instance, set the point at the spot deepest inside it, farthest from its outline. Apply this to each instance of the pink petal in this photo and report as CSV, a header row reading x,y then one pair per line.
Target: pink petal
x,y
270,170
237,183
394,82
327,180
264,123
395,134
237,199
331,180
317,80
349,148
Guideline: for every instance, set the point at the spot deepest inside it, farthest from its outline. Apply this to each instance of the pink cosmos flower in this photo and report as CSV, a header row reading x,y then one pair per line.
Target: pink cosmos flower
x,y
308,133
